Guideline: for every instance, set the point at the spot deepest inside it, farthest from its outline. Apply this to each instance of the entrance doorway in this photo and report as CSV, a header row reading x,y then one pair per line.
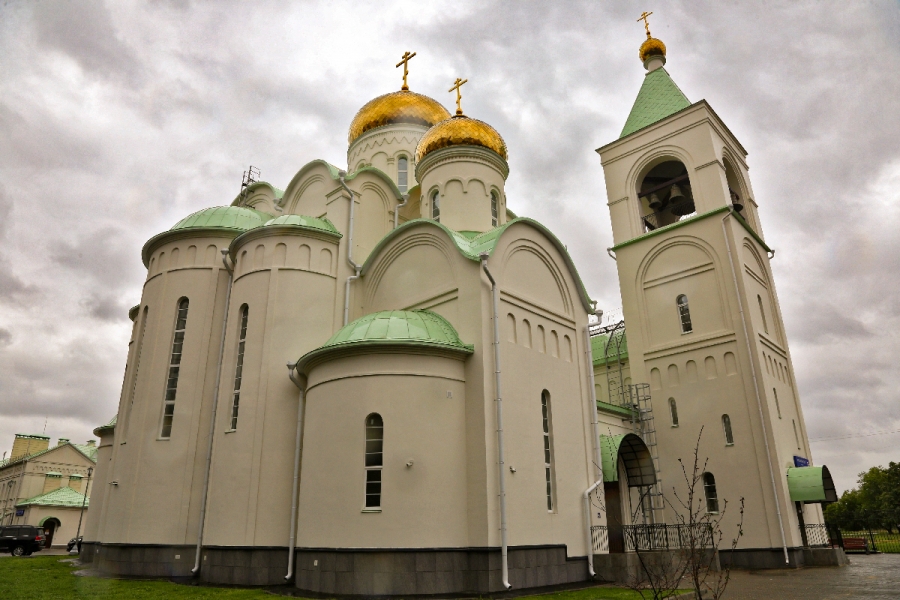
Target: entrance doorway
x,y
51,526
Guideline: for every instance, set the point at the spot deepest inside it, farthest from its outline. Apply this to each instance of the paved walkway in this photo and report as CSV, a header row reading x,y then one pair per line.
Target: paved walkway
x,y
876,576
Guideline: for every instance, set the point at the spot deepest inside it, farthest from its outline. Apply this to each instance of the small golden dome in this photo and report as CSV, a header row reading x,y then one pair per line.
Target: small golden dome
x,y
651,47
397,107
460,131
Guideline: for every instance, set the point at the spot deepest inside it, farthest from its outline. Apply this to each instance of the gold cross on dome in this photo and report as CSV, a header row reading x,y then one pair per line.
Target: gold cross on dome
x,y
643,18
456,85
405,63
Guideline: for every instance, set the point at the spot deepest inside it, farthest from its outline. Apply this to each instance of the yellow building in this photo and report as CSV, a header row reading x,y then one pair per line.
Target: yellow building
x,y
436,429
47,487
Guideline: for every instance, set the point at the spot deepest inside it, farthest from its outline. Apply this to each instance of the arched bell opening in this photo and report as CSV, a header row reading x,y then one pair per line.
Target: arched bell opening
x,y
666,196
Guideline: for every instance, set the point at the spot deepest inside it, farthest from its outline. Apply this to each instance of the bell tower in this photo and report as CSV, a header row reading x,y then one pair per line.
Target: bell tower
x,y
702,318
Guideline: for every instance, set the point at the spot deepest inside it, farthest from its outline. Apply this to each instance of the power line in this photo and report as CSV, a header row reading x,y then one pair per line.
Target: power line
x,y
855,435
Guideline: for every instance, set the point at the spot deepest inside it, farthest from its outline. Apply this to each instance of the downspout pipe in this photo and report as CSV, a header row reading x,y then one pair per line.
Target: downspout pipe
x,y
212,417
762,418
595,430
298,445
356,268
398,207
504,563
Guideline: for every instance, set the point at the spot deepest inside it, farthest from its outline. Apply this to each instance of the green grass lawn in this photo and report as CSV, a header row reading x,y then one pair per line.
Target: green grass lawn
x,y
48,577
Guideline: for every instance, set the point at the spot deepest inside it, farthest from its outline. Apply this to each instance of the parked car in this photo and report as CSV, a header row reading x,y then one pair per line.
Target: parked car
x,y
21,540
75,541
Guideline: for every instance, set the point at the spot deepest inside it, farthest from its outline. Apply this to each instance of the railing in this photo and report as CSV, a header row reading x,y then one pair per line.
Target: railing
x,y
670,214
817,536
600,539
667,537
654,537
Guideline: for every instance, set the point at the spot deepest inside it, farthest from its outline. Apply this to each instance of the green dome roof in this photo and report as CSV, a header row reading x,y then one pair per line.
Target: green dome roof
x,y
304,221
224,217
394,327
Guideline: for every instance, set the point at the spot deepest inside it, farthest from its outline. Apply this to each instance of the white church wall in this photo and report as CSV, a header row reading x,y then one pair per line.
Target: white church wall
x,y
159,480
290,297
422,401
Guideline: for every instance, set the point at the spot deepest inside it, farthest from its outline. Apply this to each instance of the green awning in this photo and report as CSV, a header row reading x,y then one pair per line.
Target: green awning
x,y
811,485
635,456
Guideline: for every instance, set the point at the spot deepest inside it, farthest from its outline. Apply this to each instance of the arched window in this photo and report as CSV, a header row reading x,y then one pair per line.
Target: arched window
x,y
548,448
763,313
684,313
174,366
726,426
402,170
374,460
673,409
495,204
435,206
239,368
709,489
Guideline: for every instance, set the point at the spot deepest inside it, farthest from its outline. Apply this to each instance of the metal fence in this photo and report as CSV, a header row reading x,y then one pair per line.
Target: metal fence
x,y
867,541
656,537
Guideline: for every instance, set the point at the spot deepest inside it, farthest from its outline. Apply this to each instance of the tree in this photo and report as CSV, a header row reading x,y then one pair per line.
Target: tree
x,y
692,548
875,504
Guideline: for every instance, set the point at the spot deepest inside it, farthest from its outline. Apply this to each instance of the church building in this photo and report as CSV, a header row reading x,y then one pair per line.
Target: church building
x,y
381,381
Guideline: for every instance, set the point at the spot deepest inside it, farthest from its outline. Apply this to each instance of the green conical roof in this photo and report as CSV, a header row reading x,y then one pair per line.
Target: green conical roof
x,y
659,97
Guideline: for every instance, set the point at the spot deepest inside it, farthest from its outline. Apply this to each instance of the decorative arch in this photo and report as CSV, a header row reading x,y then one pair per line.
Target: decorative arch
x,y
635,456
534,250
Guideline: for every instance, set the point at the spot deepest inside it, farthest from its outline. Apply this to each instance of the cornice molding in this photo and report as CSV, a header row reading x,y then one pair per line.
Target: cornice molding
x,y
477,154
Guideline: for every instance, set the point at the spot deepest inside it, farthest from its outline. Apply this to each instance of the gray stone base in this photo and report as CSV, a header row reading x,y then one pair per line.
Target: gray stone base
x,y
129,560
773,558
434,571
347,572
625,568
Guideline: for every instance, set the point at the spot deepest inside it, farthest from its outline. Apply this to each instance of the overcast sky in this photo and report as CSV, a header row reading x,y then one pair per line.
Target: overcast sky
x,y
117,119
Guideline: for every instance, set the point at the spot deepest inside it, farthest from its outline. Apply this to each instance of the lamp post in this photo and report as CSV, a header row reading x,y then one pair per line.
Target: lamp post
x,y
83,501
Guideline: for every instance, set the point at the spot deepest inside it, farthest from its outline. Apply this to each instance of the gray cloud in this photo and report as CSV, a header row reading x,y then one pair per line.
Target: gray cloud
x,y
118,120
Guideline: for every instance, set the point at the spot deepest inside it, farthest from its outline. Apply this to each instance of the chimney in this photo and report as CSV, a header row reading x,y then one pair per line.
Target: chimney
x,y
26,445
62,441
92,443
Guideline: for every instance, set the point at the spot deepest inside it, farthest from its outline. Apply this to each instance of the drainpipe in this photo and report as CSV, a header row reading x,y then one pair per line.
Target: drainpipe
x,y
301,407
762,419
212,418
356,268
595,427
611,253
398,207
503,536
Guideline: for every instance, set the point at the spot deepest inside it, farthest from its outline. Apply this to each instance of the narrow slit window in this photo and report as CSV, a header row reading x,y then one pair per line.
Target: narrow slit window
x,y
726,427
796,435
239,368
402,174
134,377
548,448
174,367
374,460
673,409
762,311
495,202
435,206
684,313
777,406
712,497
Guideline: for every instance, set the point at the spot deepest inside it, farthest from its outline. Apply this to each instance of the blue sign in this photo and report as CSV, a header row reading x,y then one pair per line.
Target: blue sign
x,y
20,512
799,461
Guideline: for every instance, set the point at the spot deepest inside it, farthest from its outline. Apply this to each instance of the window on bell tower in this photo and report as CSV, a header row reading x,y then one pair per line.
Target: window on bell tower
x,y
684,313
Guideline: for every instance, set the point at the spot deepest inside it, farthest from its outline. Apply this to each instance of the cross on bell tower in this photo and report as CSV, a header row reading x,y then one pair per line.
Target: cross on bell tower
x,y
456,87
405,63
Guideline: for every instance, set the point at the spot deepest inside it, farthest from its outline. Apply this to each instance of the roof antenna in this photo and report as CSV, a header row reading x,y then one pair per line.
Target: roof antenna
x,y
251,176
45,426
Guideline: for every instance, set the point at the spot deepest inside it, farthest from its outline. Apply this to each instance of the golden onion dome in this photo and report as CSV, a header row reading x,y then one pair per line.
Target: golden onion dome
x,y
460,130
397,107
651,47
